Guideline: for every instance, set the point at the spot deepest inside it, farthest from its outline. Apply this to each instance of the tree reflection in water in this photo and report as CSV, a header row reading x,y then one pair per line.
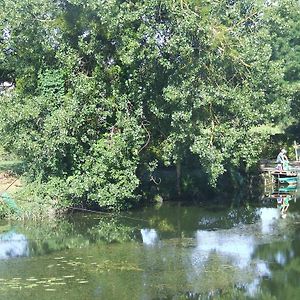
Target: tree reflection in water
x,y
176,252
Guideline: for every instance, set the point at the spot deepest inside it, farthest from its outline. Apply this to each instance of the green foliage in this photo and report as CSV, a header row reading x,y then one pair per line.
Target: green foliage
x,y
111,231
4,210
284,22
104,89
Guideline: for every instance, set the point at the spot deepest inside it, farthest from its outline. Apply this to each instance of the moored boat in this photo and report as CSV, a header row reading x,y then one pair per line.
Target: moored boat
x,y
285,177
288,180
287,189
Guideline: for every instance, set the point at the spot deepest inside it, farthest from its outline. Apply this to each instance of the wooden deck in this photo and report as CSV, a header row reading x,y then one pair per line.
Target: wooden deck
x,y
268,166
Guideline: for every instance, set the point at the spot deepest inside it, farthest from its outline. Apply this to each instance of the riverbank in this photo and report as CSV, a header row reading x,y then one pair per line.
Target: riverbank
x,y
33,201
16,199
10,182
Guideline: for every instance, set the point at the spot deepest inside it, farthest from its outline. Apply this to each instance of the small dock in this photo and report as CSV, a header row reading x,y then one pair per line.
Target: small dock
x,y
268,166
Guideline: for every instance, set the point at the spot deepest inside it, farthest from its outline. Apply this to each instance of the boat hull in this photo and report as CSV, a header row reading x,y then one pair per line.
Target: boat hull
x,y
288,180
285,177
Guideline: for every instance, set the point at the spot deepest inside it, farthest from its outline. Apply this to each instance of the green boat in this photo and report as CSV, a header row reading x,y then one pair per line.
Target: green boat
x,y
288,180
287,189
285,177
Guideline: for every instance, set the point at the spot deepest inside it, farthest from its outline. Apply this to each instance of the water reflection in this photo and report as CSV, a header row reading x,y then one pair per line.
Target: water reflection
x,y
280,258
268,217
173,252
239,242
149,236
236,248
283,195
13,245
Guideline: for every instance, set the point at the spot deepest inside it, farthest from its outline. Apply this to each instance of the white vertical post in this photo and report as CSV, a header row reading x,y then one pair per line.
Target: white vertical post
x,y
296,150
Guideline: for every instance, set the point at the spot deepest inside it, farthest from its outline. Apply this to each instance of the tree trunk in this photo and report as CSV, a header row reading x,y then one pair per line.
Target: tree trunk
x,y
178,177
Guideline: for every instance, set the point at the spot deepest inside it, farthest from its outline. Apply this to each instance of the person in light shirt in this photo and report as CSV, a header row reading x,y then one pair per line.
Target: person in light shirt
x,y
282,160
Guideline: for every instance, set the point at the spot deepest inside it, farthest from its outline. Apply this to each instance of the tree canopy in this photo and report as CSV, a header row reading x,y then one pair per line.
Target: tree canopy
x,y
106,91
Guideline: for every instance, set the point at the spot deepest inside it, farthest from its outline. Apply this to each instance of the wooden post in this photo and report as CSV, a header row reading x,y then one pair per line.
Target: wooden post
x,y
178,177
296,150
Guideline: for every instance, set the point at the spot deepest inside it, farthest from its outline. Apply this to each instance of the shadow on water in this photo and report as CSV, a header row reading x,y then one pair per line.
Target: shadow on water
x,y
174,250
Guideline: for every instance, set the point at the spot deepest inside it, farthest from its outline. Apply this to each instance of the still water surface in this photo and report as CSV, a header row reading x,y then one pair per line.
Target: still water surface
x,y
174,251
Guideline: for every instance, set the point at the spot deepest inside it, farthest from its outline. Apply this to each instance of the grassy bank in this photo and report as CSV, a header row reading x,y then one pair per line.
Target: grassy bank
x,y
10,183
18,199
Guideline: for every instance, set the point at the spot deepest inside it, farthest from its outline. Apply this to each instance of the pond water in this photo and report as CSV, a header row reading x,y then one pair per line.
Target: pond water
x,y
172,251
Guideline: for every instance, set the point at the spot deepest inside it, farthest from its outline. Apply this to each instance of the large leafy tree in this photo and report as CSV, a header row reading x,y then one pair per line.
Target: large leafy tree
x,y
283,19
104,89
